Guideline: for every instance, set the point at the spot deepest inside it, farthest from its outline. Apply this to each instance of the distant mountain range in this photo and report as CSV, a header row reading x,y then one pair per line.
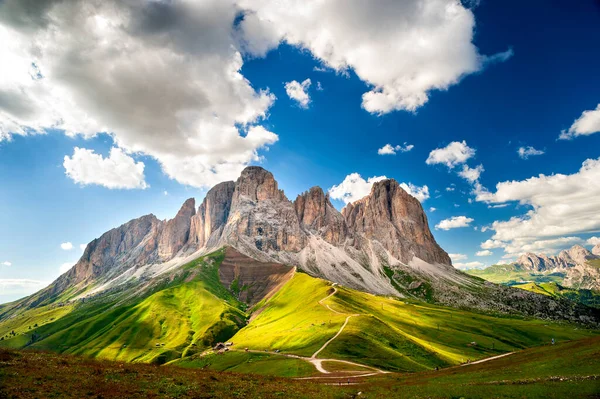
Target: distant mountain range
x,y
576,268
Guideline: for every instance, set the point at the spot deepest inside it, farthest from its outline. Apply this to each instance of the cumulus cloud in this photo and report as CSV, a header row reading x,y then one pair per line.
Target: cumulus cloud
x,y
526,152
67,246
163,78
590,241
402,49
420,193
456,257
6,263
491,244
432,209
354,187
588,123
469,265
116,171
560,206
471,174
65,267
454,222
299,92
389,149
485,252
455,153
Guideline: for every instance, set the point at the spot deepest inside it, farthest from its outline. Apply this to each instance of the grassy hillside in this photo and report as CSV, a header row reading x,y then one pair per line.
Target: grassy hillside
x,y
179,317
389,333
565,370
186,313
587,297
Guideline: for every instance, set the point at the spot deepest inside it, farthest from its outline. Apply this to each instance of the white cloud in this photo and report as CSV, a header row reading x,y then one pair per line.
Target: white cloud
x,y
319,86
526,152
561,206
468,265
590,241
471,174
485,252
491,244
402,49
456,257
117,171
454,222
138,71
165,192
588,123
420,193
65,267
389,149
455,153
21,287
353,188
548,247
82,247
432,209
6,263
450,188
67,246
299,92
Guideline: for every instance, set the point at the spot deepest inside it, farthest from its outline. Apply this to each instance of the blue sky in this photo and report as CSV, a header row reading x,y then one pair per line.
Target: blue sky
x,y
542,81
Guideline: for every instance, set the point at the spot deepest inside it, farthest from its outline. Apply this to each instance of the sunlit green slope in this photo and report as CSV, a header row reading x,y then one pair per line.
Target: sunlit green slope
x,y
186,313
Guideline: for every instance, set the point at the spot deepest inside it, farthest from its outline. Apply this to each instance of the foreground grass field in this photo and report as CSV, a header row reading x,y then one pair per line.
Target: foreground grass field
x,y
565,370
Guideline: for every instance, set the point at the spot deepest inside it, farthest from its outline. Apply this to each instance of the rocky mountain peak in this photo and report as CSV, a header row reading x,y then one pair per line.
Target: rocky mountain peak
x,y
317,214
596,250
396,220
212,214
257,184
175,232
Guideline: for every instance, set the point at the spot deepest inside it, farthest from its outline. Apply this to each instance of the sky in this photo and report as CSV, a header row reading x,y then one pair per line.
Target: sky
x,y
488,112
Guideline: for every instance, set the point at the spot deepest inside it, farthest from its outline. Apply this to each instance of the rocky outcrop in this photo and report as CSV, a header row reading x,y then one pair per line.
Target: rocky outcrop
x,y
396,220
596,250
176,232
317,215
212,214
260,213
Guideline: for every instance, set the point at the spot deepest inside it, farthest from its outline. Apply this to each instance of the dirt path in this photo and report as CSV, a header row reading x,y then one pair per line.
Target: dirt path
x,y
487,359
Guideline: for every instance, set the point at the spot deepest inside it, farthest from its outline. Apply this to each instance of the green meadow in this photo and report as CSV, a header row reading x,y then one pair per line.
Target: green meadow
x,y
179,319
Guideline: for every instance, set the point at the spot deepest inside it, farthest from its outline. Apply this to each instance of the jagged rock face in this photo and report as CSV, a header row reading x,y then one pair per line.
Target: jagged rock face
x,y
596,250
397,220
131,240
212,214
176,232
316,214
535,262
260,212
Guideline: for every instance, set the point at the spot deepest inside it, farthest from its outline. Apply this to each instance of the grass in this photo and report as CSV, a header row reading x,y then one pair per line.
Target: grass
x,y
566,370
587,297
292,320
249,362
181,316
178,318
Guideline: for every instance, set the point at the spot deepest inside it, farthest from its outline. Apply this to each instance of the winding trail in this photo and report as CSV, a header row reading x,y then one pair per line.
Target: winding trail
x,y
487,359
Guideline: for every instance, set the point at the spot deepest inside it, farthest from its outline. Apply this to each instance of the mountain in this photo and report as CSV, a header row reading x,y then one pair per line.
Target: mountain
x,y
579,266
252,267
380,244
596,250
